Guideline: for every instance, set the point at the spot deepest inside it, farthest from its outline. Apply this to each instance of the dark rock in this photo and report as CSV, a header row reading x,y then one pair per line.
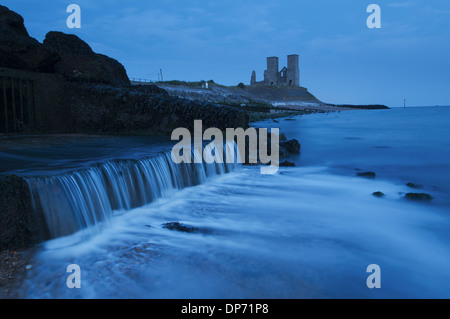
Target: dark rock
x,y
18,50
180,227
287,164
378,194
418,196
412,185
367,174
283,137
11,23
189,229
79,63
131,110
68,44
290,147
20,227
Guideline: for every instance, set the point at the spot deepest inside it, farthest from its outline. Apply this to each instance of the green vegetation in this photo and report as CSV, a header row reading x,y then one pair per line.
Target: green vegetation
x,y
241,85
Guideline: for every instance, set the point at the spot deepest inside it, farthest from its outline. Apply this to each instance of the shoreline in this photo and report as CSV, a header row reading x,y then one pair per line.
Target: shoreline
x,y
14,265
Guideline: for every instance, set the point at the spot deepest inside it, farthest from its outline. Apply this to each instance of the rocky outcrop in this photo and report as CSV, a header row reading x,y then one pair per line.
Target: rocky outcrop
x,y
19,225
79,63
60,53
289,147
141,110
18,50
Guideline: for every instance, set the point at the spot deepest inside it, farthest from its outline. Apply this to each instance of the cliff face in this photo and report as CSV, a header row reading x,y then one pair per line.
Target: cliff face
x,y
78,90
79,63
18,50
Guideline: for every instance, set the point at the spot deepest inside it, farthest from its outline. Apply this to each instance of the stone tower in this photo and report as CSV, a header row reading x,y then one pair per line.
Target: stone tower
x,y
293,72
272,70
253,79
288,76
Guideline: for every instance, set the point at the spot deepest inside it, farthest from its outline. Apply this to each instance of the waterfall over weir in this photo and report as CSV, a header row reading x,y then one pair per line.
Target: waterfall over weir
x,y
89,197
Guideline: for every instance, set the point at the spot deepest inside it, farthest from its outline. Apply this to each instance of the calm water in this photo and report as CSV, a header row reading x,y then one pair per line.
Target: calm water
x,y
307,232
57,154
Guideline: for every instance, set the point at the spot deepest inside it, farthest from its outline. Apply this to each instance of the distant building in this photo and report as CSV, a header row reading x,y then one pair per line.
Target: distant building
x,y
287,76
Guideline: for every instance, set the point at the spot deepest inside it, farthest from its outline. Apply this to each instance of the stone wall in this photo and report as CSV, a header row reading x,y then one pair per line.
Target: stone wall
x,y
20,227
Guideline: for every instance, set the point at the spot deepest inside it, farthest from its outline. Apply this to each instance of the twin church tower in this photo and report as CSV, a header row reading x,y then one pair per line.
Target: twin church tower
x,y
287,76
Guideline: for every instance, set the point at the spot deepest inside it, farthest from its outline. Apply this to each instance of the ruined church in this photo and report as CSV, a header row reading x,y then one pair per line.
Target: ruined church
x,y
287,76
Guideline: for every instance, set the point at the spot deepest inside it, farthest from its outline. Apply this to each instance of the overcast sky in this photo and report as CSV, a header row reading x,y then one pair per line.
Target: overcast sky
x,y
341,59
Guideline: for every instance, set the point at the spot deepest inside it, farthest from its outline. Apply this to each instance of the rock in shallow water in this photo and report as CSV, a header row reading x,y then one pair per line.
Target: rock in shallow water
x,y
378,194
187,229
424,197
287,164
367,174
412,185
289,147
180,227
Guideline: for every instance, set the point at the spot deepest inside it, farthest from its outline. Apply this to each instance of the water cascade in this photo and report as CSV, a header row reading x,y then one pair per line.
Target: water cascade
x,y
89,198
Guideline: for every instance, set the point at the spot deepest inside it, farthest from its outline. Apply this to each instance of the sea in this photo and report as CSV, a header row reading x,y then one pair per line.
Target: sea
x,y
310,231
